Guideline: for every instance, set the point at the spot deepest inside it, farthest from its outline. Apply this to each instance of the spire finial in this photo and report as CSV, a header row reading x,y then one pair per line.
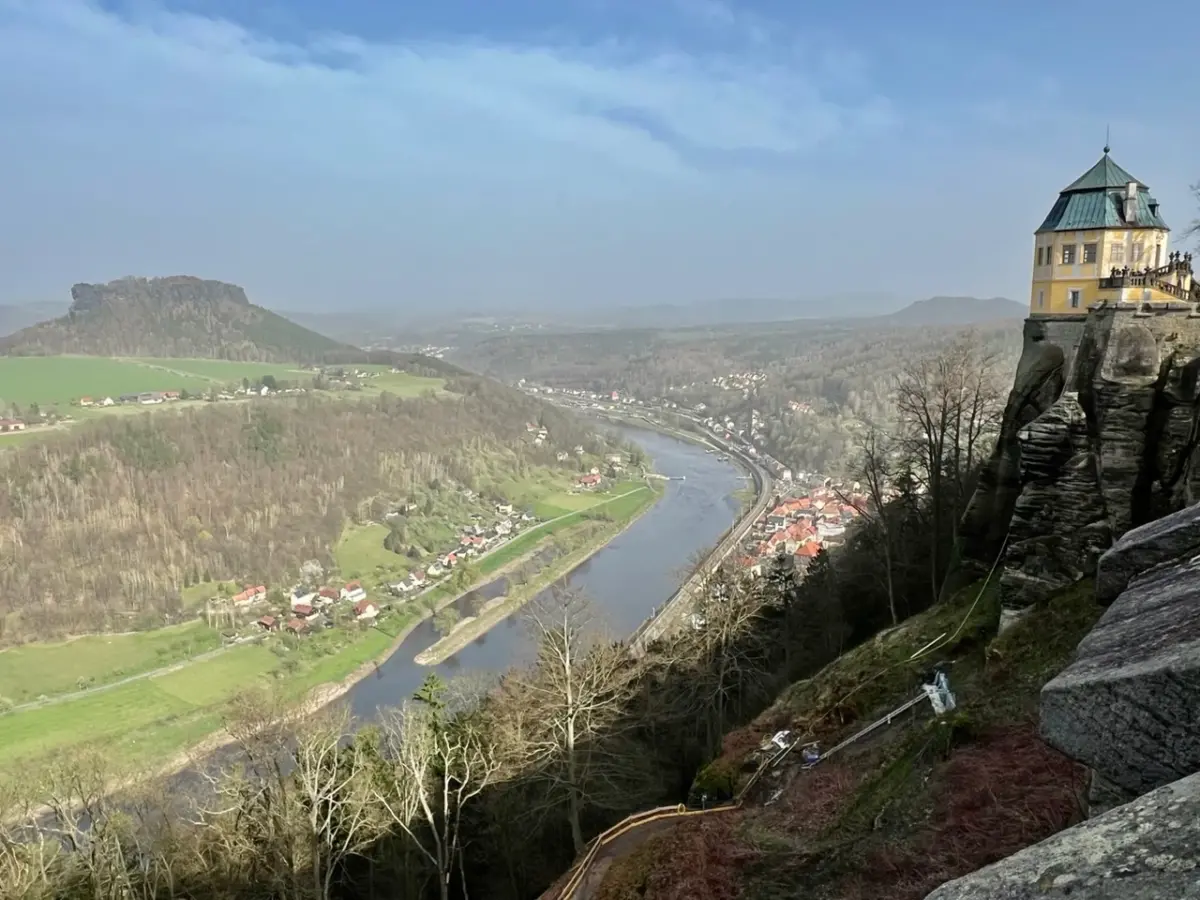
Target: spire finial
x,y
1106,147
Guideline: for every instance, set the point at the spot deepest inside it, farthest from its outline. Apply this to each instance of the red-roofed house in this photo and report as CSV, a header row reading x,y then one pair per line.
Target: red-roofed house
x,y
589,480
353,591
302,611
268,623
365,610
327,595
295,626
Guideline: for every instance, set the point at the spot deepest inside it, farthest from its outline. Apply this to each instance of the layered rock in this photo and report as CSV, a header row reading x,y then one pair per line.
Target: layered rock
x,y
1140,851
1099,435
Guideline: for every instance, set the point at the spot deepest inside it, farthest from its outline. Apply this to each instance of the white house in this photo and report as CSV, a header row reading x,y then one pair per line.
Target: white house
x,y
504,509
353,591
365,610
301,597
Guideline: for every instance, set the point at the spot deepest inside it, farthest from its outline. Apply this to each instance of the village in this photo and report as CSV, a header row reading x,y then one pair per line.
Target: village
x,y
800,524
310,607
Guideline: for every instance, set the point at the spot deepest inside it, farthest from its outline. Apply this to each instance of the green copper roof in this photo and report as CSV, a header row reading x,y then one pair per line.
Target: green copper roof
x,y
1097,200
1104,174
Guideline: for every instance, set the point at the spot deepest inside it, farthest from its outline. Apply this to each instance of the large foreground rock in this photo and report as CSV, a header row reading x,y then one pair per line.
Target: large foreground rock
x,y
1129,705
1169,539
1145,850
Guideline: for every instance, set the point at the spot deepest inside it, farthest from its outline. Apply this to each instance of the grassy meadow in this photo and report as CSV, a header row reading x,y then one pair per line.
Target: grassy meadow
x,y
57,381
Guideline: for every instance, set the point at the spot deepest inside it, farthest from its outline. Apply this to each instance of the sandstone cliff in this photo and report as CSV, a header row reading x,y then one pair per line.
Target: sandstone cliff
x,y
1099,435
1094,474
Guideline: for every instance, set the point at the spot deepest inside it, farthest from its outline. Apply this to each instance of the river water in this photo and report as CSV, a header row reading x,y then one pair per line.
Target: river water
x,y
625,581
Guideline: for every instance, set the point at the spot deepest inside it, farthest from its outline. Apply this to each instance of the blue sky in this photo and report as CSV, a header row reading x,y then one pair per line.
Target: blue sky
x,y
488,153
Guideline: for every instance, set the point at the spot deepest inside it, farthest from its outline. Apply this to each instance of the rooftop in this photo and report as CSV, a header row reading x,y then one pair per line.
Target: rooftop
x,y
1096,199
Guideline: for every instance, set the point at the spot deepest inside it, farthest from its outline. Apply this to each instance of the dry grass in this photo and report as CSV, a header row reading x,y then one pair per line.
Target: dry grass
x,y
990,799
699,859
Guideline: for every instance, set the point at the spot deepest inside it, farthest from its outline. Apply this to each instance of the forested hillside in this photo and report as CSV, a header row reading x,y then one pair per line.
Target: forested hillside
x,y
104,525
179,316
812,384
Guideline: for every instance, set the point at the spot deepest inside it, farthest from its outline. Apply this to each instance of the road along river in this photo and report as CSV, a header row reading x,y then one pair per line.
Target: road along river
x,y
625,581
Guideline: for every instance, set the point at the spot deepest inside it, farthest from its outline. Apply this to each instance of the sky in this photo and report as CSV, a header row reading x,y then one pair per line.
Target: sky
x,y
500,154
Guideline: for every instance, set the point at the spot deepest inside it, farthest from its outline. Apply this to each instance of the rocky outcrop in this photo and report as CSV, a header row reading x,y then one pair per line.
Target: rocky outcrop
x,y
1099,436
1129,705
1140,851
1111,456
1059,525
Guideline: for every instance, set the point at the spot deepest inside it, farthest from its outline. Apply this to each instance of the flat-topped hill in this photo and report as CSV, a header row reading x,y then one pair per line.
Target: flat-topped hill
x,y
176,316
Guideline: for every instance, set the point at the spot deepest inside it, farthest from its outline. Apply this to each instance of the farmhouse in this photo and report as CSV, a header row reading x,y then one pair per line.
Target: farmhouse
x,y
249,596
327,595
302,611
353,591
268,623
296,626
590,480
302,597
365,610
11,425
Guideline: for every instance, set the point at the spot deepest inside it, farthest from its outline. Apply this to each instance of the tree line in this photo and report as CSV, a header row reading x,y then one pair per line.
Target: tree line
x,y
103,526
490,787
845,373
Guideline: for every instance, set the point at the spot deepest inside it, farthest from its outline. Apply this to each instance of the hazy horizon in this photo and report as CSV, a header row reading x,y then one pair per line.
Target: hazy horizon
x,y
584,153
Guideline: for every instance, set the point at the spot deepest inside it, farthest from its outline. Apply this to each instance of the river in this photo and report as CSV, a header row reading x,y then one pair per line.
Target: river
x,y
638,571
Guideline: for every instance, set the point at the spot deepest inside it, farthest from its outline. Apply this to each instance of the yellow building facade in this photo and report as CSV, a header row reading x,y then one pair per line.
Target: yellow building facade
x,y
1104,242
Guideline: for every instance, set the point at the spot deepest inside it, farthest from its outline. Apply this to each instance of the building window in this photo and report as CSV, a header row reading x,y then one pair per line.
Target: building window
x,y
1041,299
1089,253
1157,255
1073,298
1040,251
1116,254
1068,255
1139,250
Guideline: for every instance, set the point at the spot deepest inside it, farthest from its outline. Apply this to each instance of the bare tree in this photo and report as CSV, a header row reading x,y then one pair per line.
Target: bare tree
x,y
577,693
336,798
441,759
872,469
727,648
947,404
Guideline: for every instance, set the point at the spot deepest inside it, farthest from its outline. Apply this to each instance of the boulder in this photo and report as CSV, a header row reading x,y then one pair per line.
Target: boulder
x,y
1148,849
1172,538
1129,704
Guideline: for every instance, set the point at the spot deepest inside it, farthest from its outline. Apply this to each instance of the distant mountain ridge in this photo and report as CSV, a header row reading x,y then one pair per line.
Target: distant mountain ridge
x,y
175,316
937,311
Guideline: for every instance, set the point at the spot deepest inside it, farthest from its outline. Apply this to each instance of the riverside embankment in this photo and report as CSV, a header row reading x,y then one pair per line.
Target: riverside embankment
x,y
635,572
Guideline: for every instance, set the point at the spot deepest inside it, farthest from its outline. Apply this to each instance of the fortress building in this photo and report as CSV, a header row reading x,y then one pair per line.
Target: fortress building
x,y
1105,244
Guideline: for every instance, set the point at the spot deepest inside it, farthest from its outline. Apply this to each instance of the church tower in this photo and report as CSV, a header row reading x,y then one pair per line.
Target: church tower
x,y
1105,242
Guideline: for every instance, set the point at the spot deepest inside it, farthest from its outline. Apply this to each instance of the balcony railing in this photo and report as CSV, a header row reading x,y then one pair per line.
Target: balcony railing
x,y
1163,278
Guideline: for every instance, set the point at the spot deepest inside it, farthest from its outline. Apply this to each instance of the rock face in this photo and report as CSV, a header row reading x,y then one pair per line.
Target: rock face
x,y
1138,851
1100,435
1129,705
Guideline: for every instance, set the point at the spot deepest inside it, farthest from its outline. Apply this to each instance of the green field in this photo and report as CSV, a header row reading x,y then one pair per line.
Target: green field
x,y
149,720
58,380
361,554
404,385
38,670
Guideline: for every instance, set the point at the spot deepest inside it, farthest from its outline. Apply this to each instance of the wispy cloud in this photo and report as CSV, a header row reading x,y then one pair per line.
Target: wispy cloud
x,y
659,109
